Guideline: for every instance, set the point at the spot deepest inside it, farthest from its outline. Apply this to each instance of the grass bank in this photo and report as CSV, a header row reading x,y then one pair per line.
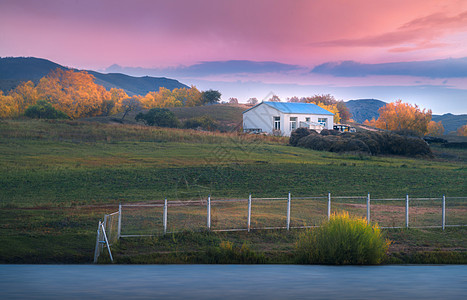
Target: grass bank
x,y
57,178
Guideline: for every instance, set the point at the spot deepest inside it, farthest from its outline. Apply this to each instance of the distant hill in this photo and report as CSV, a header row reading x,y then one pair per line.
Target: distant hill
x,y
364,109
450,122
14,70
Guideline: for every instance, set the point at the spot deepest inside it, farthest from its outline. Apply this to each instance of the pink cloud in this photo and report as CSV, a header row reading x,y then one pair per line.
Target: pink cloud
x,y
161,33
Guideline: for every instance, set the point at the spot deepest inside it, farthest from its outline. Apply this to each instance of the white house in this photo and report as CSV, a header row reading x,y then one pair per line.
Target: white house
x,y
281,118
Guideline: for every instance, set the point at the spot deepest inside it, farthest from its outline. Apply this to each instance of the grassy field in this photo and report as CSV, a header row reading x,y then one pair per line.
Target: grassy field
x,y
57,178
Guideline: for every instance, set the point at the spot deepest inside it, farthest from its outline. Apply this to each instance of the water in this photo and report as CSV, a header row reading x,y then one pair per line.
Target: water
x,y
232,282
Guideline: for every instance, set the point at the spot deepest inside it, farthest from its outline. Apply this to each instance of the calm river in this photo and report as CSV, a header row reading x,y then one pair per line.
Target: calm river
x,y
231,282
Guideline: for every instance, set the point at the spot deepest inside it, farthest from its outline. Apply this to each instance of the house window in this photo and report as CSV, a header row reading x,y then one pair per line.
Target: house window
x,y
277,123
293,123
322,121
307,119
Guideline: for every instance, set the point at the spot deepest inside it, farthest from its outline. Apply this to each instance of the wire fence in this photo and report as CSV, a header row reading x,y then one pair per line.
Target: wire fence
x,y
158,218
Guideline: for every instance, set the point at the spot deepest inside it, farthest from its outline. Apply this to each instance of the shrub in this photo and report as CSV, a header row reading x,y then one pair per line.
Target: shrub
x,y
315,142
204,122
227,253
367,142
44,110
299,133
161,117
342,240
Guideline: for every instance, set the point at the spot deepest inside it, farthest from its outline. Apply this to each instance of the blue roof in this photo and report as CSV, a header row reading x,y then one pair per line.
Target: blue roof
x,y
296,108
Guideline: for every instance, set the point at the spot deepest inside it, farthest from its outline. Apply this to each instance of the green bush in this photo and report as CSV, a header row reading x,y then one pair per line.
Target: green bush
x,y
44,110
342,240
161,117
204,122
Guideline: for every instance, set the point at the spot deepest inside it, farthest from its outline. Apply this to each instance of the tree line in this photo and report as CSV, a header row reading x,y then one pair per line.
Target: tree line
x,y
74,94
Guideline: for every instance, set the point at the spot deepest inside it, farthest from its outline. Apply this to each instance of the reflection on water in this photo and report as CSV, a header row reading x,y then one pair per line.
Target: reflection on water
x,y
231,282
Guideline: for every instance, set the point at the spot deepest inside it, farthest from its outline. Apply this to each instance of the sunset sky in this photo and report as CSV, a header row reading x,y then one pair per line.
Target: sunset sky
x,y
411,50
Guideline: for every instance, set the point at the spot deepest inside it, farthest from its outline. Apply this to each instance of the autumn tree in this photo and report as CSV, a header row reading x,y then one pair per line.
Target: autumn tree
x,y
130,104
7,105
74,93
22,97
328,102
401,116
275,98
233,100
435,128
252,101
462,131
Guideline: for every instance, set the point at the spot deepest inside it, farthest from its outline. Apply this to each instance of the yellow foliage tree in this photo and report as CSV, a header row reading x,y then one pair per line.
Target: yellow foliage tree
x,y
462,131
402,116
332,108
435,128
7,105
22,96
74,93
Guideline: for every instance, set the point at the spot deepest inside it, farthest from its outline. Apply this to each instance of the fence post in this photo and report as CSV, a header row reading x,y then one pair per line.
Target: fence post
x,y
444,212
249,213
165,216
368,208
97,250
209,212
407,211
105,221
329,205
119,228
289,199
107,243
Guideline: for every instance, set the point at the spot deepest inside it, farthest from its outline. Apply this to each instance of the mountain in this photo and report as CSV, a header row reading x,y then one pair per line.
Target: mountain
x,y
364,109
135,85
450,122
14,70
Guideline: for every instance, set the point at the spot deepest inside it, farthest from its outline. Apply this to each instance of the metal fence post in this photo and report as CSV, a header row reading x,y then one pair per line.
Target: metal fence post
x,y
329,205
165,216
444,212
249,213
407,211
209,212
289,199
106,240
368,208
119,228
97,250
105,221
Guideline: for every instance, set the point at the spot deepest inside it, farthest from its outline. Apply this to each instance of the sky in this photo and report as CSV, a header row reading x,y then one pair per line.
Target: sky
x,y
413,50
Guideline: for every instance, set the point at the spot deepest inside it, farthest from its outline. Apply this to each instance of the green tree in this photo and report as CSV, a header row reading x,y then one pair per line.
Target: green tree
x,y
211,96
161,117
44,110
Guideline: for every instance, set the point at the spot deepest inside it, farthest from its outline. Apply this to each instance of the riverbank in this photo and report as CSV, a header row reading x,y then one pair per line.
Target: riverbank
x,y
409,246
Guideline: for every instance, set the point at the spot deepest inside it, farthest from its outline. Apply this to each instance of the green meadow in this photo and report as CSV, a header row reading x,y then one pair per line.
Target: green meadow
x,y
57,178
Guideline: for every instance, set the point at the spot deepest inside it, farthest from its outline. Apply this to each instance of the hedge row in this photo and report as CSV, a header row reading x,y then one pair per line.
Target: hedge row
x,y
366,142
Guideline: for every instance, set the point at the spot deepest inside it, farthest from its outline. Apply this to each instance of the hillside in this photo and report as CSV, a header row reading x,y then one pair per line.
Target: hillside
x,y
450,122
364,109
14,70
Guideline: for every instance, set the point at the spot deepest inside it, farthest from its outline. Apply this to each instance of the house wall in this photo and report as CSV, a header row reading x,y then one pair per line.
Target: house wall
x,y
302,118
262,117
